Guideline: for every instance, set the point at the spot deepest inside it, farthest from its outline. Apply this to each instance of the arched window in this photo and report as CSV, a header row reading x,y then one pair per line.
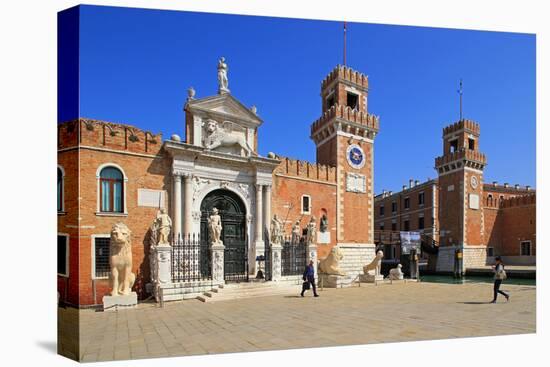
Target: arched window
x,y
111,186
490,199
59,190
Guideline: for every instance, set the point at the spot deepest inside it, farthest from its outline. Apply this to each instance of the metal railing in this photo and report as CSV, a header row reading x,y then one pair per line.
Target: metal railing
x,y
190,259
293,256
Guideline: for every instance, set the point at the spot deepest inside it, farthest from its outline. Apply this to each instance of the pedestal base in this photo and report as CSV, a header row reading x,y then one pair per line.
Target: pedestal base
x,y
323,237
368,278
334,281
115,303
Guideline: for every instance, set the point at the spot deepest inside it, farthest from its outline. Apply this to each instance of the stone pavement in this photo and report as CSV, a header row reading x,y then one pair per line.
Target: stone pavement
x,y
358,315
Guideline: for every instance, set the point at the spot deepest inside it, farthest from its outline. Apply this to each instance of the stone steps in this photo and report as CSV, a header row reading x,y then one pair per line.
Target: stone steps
x,y
249,290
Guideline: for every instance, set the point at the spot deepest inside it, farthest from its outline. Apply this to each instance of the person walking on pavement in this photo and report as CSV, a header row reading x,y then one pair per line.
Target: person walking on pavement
x,y
309,279
500,275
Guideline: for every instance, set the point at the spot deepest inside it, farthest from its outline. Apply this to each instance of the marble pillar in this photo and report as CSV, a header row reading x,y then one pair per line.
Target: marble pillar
x,y
259,246
217,263
177,206
267,211
187,204
161,267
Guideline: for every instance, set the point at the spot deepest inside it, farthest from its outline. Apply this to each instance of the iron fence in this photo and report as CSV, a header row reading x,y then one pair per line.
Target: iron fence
x,y
293,256
191,259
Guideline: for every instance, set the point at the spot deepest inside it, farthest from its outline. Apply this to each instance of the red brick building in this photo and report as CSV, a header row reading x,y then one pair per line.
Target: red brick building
x,y
459,211
110,172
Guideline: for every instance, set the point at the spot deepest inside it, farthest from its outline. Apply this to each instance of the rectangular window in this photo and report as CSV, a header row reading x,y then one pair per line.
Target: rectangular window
x,y
306,204
393,252
421,223
406,226
407,203
394,226
63,255
525,248
101,257
353,101
330,101
382,210
421,198
394,207
453,145
381,226
490,251
471,144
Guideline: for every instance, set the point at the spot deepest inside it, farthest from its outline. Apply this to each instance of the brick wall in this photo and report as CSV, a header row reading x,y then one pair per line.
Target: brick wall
x,y
291,180
139,155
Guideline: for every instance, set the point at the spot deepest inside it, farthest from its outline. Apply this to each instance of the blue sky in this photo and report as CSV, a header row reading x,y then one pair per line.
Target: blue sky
x,y
136,66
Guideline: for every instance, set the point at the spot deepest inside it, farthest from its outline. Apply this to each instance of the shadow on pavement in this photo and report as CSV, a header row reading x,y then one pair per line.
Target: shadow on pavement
x,y
50,346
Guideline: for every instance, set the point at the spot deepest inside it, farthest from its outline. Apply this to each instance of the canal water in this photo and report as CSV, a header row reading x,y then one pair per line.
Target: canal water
x,y
473,279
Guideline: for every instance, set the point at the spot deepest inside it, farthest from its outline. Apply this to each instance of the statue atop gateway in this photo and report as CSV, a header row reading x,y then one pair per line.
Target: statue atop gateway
x,y
223,81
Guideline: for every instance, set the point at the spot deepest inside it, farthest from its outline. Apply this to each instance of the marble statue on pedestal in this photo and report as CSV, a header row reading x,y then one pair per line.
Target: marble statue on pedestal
x,y
330,265
296,232
396,273
375,265
276,230
160,229
215,228
122,278
323,226
223,82
311,231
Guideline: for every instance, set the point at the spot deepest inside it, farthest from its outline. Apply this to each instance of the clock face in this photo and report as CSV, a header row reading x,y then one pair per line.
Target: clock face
x,y
473,182
355,156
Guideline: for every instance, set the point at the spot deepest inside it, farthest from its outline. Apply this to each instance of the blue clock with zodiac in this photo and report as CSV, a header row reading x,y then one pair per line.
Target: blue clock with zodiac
x,y
355,156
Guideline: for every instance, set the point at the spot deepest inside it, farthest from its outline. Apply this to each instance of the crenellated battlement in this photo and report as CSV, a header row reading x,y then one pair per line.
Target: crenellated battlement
x,y
304,169
107,135
346,73
344,112
463,124
522,200
462,154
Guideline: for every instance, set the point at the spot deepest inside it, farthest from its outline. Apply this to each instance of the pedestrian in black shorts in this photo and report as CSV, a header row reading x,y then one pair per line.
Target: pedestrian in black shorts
x,y
500,275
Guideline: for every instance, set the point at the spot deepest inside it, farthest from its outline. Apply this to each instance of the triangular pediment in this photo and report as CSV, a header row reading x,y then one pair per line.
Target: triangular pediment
x,y
224,106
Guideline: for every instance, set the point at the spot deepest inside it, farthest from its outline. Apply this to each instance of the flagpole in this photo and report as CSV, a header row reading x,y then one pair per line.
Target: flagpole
x,y
345,29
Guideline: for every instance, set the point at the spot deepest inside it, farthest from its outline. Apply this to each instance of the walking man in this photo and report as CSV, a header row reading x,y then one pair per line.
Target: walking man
x,y
500,275
309,279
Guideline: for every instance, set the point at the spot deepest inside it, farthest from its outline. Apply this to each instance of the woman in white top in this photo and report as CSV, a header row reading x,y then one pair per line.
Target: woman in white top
x,y
500,275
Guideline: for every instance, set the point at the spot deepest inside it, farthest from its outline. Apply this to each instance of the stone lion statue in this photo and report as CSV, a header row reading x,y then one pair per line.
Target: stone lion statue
x,y
396,273
122,278
331,264
375,265
222,136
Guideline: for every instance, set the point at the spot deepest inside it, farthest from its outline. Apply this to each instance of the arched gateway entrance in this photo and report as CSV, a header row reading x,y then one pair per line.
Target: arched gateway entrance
x,y
233,215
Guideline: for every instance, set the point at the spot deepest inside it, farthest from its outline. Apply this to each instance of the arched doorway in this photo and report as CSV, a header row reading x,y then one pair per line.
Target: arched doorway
x,y
233,215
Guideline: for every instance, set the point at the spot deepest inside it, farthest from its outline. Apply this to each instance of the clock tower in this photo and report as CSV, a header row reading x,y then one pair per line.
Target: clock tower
x,y
344,138
460,171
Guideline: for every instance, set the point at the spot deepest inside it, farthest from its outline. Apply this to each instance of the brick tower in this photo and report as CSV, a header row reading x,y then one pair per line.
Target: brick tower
x,y
344,137
460,171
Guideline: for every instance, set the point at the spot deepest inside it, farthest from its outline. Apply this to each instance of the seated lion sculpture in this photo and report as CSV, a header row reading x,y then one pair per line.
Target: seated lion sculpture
x,y
330,264
122,278
396,273
375,265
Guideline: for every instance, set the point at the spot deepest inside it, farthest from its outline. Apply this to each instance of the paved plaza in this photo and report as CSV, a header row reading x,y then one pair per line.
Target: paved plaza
x,y
358,315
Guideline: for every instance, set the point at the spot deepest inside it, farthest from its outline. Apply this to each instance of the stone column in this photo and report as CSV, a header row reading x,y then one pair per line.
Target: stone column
x,y
217,264
267,210
259,245
187,204
161,267
276,261
312,255
177,205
